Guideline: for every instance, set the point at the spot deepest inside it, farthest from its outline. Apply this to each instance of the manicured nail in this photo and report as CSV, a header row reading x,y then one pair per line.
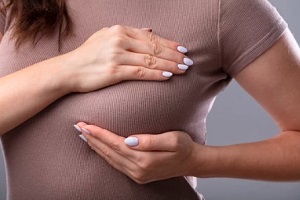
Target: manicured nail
x,y
147,29
85,131
188,61
83,138
167,74
77,128
183,67
131,141
182,49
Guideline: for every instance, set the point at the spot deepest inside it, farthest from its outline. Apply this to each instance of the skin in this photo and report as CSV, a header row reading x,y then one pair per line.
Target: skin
x,y
124,54
273,80
266,79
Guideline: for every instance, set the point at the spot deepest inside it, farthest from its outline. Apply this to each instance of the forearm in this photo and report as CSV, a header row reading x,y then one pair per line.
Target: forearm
x,y
26,92
101,61
277,159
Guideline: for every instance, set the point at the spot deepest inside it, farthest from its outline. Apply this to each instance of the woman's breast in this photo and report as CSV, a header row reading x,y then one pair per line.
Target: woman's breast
x,y
46,158
134,107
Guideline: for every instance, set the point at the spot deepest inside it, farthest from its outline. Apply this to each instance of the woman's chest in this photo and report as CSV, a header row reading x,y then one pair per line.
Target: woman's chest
x,y
135,106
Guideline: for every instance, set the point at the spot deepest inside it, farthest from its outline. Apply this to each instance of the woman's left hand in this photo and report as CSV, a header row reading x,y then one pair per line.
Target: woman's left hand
x,y
143,158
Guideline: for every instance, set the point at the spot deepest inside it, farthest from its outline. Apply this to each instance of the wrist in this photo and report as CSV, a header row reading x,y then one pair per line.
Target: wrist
x,y
205,161
74,70
67,73
57,77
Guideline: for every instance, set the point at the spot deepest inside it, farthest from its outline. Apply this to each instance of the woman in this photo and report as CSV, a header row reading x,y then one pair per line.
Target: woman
x,y
246,40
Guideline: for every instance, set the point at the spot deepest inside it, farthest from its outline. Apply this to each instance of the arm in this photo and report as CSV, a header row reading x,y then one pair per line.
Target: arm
x,y
28,91
121,56
273,79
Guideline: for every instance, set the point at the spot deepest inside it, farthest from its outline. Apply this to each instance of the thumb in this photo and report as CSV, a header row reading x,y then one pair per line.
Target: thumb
x,y
161,142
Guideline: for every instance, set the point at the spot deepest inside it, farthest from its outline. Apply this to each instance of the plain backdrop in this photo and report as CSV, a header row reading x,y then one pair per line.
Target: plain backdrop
x,y
237,118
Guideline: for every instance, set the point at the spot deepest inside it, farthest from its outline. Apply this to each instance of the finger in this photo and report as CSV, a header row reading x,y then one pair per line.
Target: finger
x,y
141,73
143,35
111,157
81,124
147,29
109,150
105,139
127,168
151,37
151,62
101,134
168,142
158,50
122,163
106,151
148,43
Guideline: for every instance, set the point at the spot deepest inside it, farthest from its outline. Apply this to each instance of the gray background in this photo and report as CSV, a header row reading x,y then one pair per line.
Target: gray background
x,y
237,118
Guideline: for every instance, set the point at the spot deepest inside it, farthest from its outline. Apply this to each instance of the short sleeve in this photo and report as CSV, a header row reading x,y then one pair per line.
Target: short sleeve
x,y
247,28
2,17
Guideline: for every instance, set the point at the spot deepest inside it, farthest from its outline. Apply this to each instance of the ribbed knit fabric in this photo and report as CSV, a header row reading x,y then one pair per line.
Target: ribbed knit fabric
x,y
44,156
2,18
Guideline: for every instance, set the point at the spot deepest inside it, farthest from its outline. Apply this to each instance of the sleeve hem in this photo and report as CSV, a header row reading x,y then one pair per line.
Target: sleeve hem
x,y
258,49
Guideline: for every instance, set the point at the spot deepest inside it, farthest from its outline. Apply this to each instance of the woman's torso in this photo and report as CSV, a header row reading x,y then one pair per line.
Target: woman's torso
x,y
45,158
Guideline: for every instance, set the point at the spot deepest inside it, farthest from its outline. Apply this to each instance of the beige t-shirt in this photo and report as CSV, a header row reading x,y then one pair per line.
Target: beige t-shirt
x,y
44,156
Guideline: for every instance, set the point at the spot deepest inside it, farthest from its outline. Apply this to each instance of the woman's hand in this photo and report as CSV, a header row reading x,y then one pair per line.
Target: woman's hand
x,y
108,57
121,53
143,158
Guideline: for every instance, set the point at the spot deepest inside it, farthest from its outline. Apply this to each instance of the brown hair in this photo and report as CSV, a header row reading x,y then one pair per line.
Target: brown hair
x,y
34,19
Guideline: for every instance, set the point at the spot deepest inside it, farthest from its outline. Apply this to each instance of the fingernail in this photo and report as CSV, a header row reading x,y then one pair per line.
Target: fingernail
x,y
131,141
182,49
85,131
167,74
147,29
83,138
77,128
183,67
188,61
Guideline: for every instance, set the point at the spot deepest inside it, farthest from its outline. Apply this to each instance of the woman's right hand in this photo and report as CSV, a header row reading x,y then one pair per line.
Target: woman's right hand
x,y
120,53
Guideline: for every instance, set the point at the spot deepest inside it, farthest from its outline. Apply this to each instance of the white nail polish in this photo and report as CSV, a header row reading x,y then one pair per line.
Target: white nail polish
x,y
182,49
83,138
131,141
77,128
188,61
183,67
85,131
167,74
